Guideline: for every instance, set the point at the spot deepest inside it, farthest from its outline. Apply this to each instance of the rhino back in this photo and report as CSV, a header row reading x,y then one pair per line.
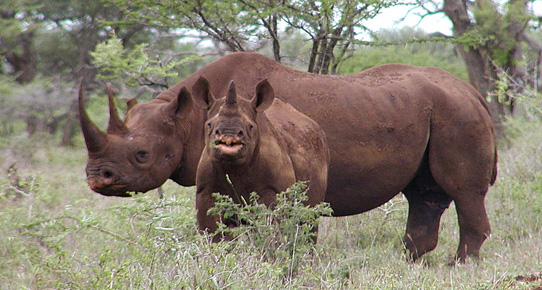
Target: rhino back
x,y
303,141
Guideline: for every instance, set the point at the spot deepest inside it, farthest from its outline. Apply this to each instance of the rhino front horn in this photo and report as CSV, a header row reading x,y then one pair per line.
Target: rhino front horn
x,y
94,138
231,97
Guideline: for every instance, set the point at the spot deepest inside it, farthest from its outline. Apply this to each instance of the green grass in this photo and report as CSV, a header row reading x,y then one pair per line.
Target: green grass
x,y
57,234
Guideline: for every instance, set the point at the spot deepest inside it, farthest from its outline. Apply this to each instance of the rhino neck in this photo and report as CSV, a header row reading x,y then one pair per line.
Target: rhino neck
x,y
193,138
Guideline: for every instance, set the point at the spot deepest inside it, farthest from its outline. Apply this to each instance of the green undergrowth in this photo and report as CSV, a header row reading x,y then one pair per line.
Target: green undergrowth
x,y
284,233
57,234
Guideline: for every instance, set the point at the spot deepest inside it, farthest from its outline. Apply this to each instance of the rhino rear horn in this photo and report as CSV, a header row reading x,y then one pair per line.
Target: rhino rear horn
x,y
116,126
94,138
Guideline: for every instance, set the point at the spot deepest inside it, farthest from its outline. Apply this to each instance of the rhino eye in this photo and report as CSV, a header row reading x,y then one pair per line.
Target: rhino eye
x,y
142,156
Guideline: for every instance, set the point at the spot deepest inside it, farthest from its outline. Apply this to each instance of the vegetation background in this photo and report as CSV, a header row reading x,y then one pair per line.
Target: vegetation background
x,y
57,234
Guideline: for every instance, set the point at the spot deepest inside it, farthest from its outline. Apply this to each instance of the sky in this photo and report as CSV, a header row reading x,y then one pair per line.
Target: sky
x,y
390,18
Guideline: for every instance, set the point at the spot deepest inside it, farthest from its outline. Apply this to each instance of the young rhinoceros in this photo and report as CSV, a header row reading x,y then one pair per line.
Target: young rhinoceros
x,y
264,145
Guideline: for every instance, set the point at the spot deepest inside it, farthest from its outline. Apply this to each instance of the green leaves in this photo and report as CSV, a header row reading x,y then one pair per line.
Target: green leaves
x,y
282,234
248,25
134,66
407,46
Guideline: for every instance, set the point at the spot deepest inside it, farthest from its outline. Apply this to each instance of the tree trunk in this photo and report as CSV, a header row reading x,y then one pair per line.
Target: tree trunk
x,y
274,35
329,55
31,125
321,55
482,73
314,53
70,130
71,126
24,64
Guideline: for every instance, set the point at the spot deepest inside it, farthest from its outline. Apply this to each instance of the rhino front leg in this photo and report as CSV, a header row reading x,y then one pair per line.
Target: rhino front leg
x,y
204,201
208,223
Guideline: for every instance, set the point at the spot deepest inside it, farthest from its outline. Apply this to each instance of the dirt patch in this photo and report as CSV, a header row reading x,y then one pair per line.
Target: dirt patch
x,y
532,278
529,278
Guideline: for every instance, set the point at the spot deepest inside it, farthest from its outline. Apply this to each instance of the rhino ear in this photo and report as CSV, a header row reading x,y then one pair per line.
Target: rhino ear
x,y
130,104
201,93
264,96
179,107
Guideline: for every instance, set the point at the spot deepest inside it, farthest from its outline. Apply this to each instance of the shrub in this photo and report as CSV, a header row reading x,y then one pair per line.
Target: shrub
x,y
285,232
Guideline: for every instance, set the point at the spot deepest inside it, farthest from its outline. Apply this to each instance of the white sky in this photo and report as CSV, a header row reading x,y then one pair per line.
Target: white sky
x,y
390,18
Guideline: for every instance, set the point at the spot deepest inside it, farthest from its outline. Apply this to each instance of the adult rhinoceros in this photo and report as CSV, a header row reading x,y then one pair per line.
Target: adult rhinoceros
x,y
392,128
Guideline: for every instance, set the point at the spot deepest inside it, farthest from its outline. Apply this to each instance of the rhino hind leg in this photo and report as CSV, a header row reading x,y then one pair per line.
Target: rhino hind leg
x,y
427,201
464,166
474,227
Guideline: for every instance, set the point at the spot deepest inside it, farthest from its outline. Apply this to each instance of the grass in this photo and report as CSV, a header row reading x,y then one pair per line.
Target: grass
x,y
57,234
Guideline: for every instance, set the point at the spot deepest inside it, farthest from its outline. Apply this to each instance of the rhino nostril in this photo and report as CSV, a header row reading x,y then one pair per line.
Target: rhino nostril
x,y
107,174
240,134
217,132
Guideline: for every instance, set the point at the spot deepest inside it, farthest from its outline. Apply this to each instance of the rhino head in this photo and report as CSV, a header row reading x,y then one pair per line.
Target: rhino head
x,y
231,130
138,154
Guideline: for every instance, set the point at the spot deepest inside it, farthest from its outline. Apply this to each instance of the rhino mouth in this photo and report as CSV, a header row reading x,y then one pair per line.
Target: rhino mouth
x,y
104,187
113,190
228,146
118,193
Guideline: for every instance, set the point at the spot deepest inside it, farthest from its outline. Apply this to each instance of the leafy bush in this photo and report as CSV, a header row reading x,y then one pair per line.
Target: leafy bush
x,y
135,66
283,233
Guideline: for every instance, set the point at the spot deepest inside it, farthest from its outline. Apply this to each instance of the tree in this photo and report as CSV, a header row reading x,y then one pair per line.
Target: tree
x,y
248,25
136,68
332,27
17,31
54,37
439,54
490,37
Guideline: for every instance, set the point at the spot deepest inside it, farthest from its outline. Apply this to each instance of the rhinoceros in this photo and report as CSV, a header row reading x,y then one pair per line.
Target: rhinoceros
x,y
391,128
260,145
